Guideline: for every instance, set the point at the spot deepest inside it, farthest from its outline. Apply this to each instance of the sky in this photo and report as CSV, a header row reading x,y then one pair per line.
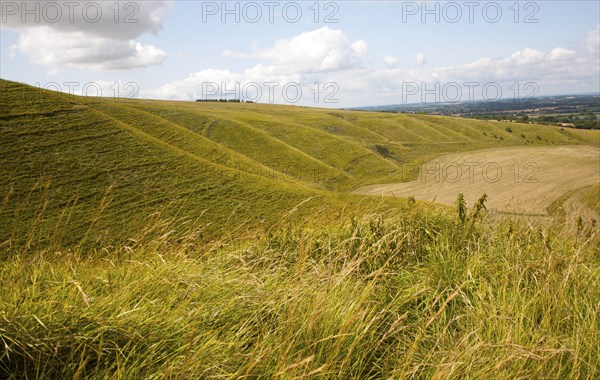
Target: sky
x,y
326,54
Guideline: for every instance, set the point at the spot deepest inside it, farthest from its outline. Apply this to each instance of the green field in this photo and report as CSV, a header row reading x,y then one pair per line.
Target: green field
x,y
157,239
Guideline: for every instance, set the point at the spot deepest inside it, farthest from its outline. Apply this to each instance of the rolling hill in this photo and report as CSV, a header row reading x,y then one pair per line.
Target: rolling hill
x,y
99,167
155,239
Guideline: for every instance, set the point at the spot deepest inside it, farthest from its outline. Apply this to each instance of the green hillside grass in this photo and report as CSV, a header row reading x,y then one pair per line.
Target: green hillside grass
x,y
110,163
155,239
403,294
60,162
590,136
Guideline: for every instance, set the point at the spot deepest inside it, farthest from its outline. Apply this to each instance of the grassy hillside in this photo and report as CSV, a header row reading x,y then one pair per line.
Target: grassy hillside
x,y
406,294
77,167
59,155
153,239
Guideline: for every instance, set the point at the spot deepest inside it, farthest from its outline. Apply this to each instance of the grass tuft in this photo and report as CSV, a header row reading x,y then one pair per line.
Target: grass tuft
x,y
402,294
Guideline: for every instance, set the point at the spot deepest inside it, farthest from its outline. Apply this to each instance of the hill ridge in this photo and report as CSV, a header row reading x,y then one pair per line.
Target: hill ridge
x,y
249,162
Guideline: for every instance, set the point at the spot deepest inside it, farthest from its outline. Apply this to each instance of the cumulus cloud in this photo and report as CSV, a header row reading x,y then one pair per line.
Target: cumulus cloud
x,y
390,62
50,47
118,19
300,60
593,40
525,64
198,85
95,35
524,73
321,50
527,57
327,56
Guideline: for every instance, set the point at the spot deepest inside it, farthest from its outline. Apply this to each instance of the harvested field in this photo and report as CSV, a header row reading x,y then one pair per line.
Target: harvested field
x,y
523,180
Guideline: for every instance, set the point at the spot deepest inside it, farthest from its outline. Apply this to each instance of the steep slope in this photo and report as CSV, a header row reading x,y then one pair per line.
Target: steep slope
x,y
75,167
71,168
346,148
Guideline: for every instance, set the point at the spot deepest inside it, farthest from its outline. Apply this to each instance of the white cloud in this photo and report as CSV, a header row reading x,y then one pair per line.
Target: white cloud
x,y
593,40
317,51
49,47
526,57
560,54
198,86
326,55
117,19
390,62
87,34
303,59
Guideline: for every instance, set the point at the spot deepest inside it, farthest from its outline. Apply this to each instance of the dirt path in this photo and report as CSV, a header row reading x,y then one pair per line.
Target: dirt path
x,y
523,180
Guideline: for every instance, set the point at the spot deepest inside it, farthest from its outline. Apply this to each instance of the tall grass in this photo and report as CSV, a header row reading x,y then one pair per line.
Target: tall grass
x,y
404,294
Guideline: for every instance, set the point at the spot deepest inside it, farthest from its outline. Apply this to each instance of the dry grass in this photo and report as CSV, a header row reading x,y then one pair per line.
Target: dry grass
x,y
523,180
408,294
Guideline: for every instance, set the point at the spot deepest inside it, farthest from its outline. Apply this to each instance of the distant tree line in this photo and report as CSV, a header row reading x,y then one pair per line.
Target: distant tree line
x,y
576,121
575,111
519,117
581,122
224,100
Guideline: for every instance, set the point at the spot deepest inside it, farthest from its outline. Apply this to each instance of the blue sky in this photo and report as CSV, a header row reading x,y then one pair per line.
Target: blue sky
x,y
365,53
